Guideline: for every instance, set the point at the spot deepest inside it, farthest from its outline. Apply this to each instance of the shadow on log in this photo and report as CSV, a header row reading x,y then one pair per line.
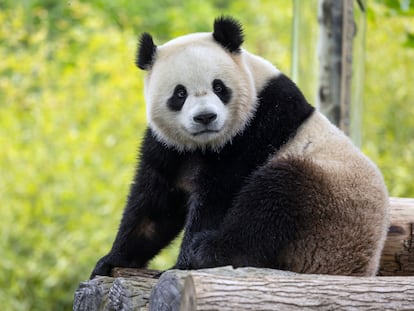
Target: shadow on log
x,y
226,288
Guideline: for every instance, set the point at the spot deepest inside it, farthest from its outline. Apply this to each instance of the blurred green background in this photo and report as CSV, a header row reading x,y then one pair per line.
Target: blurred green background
x,y
72,116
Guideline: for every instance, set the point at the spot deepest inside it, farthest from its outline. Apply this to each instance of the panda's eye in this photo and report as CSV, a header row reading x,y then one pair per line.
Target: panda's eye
x,y
221,90
177,100
180,92
218,86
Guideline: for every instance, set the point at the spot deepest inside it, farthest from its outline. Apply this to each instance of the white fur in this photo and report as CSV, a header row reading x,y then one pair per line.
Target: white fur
x,y
194,61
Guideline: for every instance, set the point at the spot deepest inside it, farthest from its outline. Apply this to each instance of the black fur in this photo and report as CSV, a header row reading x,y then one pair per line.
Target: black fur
x,y
229,217
146,52
152,199
267,213
228,32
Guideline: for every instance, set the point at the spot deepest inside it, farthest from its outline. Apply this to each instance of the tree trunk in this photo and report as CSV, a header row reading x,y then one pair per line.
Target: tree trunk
x,y
337,29
267,289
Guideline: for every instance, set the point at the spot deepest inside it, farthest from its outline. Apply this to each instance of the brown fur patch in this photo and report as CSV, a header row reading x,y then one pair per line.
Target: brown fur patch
x,y
146,229
186,176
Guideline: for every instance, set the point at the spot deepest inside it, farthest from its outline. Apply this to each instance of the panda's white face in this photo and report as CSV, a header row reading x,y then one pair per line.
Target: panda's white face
x,y
198,95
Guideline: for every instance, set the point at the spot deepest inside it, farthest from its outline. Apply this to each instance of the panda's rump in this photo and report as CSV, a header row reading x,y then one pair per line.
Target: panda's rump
x,y
333,232
344,203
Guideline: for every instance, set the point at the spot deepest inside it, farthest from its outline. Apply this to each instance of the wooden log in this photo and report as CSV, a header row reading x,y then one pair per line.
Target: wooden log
x,y
130,294
226,288
92,295
109,293
398,254
265,289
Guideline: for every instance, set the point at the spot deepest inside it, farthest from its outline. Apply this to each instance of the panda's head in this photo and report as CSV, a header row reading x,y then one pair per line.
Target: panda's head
x,y
199,88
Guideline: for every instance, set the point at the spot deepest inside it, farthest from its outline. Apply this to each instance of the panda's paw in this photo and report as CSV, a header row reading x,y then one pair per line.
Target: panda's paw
x,y
116,259
103,267
206,251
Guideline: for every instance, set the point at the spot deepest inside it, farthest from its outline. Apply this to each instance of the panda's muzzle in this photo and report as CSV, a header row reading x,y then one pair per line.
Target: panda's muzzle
x,y
204,119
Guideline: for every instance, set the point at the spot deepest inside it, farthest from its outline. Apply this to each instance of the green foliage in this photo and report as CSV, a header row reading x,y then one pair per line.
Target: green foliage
x,y
403,9
389,99
397,6
72,115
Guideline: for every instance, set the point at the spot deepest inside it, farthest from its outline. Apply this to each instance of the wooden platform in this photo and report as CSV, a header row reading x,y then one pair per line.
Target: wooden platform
x,y
226,288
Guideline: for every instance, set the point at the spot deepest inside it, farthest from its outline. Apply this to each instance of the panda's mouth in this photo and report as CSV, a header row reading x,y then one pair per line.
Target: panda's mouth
x,y
206,131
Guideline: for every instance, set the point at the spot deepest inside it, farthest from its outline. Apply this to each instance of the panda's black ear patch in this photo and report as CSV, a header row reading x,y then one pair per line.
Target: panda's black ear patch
x,y
146,52
229,33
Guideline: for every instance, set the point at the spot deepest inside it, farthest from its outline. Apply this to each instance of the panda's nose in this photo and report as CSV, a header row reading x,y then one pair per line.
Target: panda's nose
x,y
205,118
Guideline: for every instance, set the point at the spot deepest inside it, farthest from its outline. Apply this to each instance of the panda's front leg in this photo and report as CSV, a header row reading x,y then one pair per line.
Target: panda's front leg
x,y
207,242
154,214
150,221
198,251
208,250
200,237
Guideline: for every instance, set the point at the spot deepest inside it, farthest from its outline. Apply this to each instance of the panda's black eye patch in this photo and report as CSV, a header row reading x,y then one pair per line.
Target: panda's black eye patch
x,y
176,101
221,90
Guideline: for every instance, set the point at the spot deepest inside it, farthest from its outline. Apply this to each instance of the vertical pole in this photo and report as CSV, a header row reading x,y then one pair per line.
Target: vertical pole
x,y
336,26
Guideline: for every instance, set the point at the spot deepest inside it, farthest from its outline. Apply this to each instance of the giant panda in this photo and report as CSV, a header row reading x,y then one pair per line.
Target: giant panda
x,y
236,156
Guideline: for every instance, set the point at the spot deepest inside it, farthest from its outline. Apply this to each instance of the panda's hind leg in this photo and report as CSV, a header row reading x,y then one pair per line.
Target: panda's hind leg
x,y
269,213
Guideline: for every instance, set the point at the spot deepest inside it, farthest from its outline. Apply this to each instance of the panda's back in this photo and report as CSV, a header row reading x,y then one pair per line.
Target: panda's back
x,y
319,141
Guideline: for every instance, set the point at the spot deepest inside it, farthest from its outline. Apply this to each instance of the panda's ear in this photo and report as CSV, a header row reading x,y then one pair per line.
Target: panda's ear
x,y
228,32
146,52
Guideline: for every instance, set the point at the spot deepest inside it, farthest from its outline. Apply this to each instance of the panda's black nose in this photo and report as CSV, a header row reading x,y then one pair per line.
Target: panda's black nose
x,y
205,118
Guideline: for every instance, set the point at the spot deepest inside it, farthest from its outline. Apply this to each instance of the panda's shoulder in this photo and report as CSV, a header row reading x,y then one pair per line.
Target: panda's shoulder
x,y
281,110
